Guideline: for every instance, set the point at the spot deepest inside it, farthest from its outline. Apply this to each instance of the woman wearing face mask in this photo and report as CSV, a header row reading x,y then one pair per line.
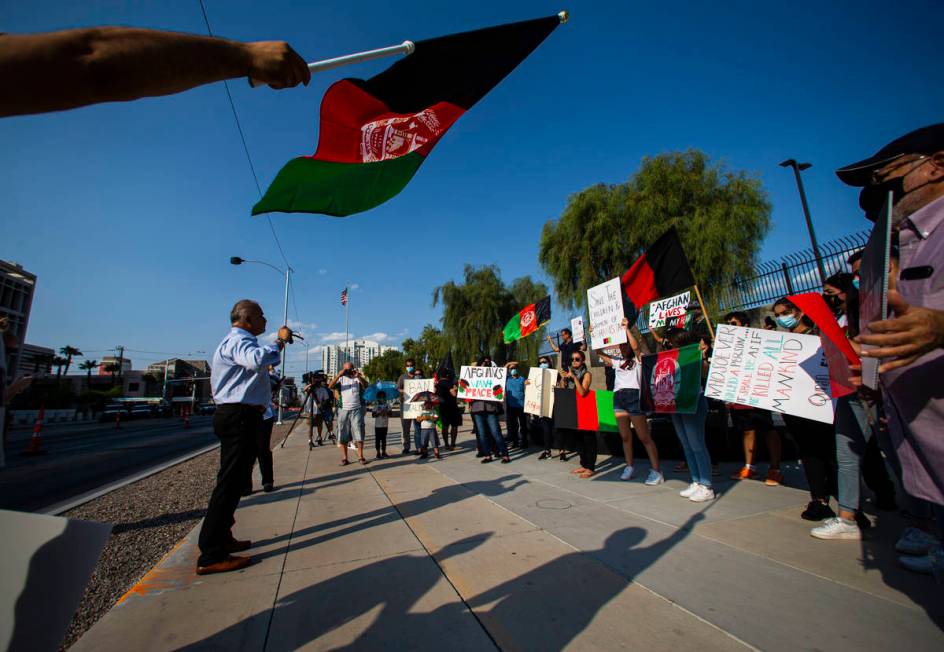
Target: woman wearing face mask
x,y
627,383
514,407
544,426
815,439
485,415
578,377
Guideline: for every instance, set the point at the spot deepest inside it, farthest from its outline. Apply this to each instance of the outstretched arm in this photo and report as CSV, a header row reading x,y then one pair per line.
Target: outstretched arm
x,y
72,68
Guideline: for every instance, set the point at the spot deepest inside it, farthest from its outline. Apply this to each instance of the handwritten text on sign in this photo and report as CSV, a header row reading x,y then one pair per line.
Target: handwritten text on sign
x,y
669,311
412,387
539,392
576,328
482,383
605,305
773,370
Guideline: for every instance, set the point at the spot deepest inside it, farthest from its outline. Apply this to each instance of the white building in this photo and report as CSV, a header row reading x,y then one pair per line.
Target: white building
x,y
360,352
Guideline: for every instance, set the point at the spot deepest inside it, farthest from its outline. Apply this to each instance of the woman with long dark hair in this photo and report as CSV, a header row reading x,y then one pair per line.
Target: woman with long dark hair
x,y
577,376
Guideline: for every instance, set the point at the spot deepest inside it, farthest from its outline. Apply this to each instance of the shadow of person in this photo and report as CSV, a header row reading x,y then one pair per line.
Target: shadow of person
x,y
402,601
560,598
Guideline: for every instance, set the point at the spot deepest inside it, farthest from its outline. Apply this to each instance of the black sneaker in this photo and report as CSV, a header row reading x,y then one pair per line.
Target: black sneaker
x,y
862,520
480,454
268,488
817,511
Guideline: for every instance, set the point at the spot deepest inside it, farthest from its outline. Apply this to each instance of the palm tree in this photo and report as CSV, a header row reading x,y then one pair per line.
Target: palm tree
x,y
111,369
88,365
69,352
59,362
44,361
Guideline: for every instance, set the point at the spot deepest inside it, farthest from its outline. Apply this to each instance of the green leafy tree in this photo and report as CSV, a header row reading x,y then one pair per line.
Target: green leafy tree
x,y
721,215
69,352
388,366
427,350
474,313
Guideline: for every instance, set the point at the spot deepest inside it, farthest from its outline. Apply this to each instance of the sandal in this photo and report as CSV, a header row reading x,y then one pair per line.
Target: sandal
x,y
505,460
544,455
562,457
344,463
487,459
363,460
579,469
586,474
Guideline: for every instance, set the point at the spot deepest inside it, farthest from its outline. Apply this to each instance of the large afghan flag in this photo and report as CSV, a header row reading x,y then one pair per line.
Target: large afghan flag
x,y
592,411
528,320
375,134
672,380
662,271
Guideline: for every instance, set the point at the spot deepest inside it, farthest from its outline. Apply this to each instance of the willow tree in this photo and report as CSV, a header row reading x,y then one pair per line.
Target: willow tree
x,y
525,291
721,215
474,313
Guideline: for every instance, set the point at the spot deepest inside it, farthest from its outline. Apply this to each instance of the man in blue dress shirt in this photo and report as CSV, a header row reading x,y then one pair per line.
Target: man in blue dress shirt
x,y
240,381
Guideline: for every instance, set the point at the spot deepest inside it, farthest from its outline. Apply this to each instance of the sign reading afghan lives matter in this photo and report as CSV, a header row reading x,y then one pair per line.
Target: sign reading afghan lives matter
x,y
412,387
669,311
605,305
539,392
772,370
576,329
482,383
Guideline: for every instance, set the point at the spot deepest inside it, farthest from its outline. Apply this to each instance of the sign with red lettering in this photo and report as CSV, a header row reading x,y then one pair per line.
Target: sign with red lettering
x,y
772,370
482,383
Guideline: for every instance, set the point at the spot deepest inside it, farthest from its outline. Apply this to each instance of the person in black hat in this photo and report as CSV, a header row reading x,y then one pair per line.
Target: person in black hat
x,y
910,343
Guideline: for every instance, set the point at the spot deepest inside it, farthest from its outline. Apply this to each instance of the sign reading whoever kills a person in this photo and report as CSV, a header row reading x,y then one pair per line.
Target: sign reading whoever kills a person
x,y
773,370
669,311
482,383
539,392
605,305
412,387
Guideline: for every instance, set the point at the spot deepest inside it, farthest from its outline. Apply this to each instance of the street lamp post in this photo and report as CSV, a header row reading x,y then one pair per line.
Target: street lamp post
x,y
797,168
236,260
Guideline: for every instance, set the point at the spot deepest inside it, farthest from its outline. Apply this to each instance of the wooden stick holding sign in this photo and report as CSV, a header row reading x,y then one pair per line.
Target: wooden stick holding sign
x,y
704,312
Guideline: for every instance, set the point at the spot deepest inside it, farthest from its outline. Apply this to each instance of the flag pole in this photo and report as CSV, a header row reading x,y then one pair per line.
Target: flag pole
x,y
347,307
704,310
407,47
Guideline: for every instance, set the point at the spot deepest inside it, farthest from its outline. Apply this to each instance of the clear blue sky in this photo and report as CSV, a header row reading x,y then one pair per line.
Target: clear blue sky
x,y
129,213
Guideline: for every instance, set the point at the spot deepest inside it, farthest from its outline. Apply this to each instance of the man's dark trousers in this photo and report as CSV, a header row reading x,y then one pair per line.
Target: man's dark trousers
x,y
264,453
238,427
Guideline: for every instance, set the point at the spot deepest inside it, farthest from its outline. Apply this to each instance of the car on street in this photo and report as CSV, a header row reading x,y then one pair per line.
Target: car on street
x,y
111,412
142,412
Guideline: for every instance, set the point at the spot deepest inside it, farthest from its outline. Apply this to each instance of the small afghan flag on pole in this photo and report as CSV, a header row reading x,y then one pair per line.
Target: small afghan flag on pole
x,y
375,134
662,271
528,320
672,379
592,411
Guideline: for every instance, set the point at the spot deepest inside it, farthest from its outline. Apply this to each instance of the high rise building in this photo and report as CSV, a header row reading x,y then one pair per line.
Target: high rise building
x,y
16,299
359,352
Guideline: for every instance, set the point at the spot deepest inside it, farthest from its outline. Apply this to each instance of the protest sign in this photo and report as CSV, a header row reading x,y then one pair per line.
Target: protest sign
x,y
773,370
669,311
873,286
539,392
411,387
605,305
838,350
482,383
576,328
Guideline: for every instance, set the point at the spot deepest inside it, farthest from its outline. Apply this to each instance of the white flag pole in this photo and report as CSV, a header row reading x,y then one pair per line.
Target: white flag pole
x,y
406,47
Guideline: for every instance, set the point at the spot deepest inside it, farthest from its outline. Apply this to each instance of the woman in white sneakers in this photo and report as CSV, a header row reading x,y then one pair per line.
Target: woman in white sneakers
x,y
627,408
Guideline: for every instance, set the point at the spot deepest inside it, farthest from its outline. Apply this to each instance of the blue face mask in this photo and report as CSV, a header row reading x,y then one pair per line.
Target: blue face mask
x,y
787,321
409,370
514,373
545,365
855,282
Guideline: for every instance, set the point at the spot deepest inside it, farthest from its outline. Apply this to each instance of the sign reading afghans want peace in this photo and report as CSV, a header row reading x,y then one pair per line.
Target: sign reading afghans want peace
x,y
605,305
773,370
669,311
482,383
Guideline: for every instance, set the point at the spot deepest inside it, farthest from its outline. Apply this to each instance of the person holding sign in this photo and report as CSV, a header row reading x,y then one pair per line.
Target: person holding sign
x,y
626,406
567,346
815,439
578,377
485,415
545,425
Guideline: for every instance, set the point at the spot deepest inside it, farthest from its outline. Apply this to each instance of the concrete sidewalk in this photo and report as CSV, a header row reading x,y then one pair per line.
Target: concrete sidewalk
x,y
451,553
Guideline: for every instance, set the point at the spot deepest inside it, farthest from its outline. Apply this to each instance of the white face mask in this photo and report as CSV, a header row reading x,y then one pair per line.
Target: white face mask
x,y
545,365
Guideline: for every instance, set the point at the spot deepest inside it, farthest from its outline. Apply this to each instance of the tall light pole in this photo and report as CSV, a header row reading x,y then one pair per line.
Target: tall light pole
x,y
797,168
236,260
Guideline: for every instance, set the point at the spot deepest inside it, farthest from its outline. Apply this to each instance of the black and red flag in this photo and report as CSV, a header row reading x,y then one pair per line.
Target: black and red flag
x,y
375,134
662,271
529,319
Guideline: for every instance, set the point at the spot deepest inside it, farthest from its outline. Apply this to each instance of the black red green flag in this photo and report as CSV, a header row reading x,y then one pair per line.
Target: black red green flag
x,y
375,134
672,380
528,320
662,271
592,411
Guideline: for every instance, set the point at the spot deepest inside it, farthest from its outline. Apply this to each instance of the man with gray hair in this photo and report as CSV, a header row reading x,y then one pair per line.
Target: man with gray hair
x,y
239,378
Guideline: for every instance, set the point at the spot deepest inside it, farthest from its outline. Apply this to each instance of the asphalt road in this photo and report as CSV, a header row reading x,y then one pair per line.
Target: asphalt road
x,y
83,457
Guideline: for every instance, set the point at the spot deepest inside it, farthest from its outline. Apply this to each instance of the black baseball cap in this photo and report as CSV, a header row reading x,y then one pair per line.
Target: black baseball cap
x,y
925,140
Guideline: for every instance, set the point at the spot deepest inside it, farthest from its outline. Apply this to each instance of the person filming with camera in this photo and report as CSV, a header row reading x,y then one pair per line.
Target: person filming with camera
x,y
349,384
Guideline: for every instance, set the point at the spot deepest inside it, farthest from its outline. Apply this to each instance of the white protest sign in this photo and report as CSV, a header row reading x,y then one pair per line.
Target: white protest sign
x,y
412,387
539,392
605,305
482,383
576,328
773,370
669,310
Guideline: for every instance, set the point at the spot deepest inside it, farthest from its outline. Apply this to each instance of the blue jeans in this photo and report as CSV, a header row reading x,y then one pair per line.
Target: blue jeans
x,y
852,434
417,435
690,429
489,433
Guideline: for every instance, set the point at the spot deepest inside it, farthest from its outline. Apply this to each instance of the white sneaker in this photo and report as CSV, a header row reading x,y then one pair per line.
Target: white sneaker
x,y
654,478
627,473
685,493
837,528
702,494
915,542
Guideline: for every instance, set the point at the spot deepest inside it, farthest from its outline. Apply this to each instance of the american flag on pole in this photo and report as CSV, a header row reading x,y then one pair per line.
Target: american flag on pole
x,y
344,297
